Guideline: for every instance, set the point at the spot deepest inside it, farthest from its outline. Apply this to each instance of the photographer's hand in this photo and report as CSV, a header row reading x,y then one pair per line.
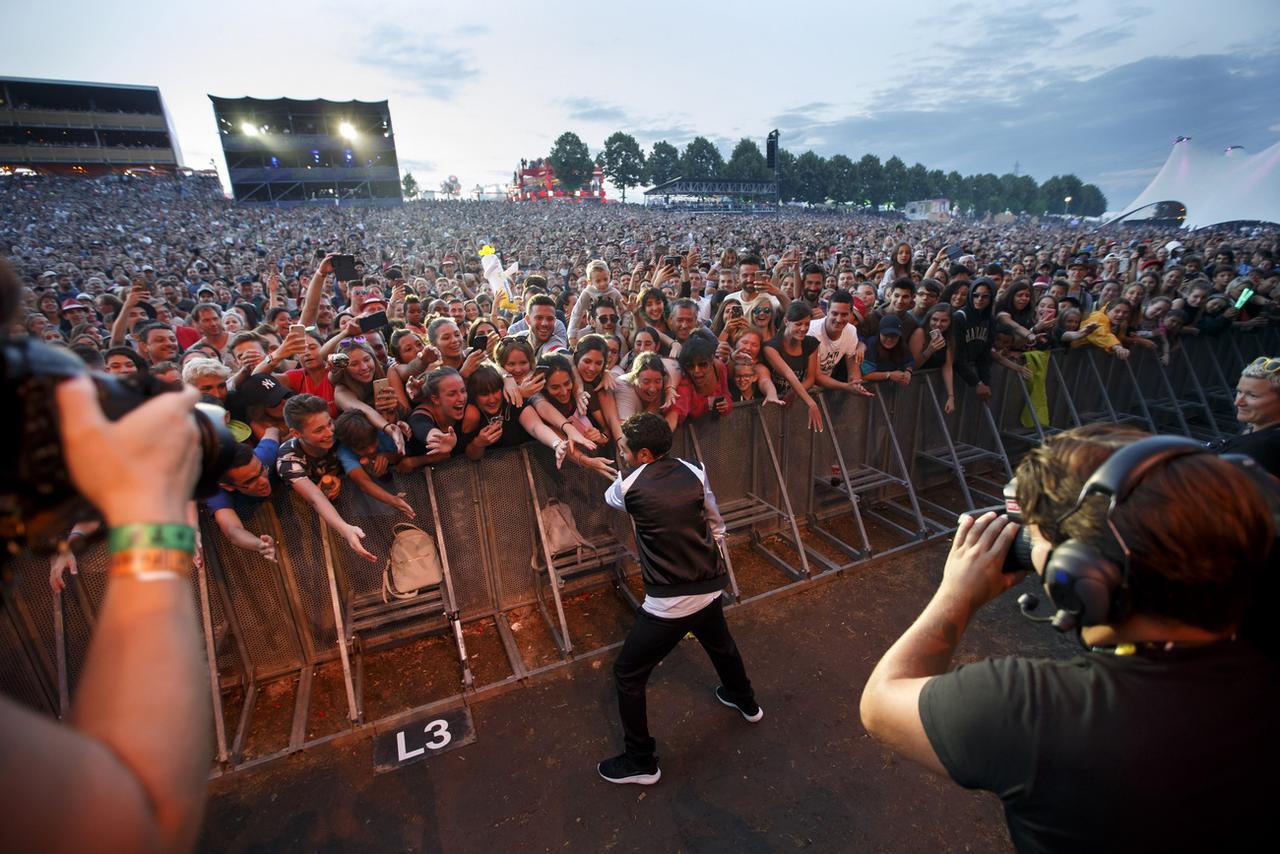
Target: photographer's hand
x,y
155,454
135,759
890,704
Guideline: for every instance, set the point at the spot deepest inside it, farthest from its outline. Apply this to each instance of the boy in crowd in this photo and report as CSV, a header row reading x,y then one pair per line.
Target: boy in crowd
x,y
309,463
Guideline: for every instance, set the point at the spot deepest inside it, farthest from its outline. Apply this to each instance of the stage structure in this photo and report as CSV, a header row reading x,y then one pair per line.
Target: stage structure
x,y
536,180
290,152
61,127
714,195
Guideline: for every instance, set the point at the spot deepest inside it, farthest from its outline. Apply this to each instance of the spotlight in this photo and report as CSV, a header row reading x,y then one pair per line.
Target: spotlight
x,y
346,130
248,128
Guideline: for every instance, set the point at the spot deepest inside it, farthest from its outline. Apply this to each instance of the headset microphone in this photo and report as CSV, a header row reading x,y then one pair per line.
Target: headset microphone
x,y
1027,603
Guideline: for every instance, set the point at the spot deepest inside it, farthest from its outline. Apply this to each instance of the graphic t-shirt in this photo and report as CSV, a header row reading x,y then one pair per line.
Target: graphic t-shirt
x,y
832,353
294,463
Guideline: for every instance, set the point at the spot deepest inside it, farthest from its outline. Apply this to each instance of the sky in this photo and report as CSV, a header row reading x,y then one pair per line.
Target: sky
x,y
1098,88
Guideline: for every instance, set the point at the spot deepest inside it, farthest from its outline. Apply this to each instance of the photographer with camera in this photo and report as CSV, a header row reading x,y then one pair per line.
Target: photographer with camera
x,y
1158,735
128,772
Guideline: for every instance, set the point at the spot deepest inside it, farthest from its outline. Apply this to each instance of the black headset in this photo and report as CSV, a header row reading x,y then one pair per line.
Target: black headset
x,y
1085,587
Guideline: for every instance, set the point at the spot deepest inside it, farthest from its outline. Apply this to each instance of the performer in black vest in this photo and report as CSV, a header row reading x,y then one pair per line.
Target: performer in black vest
x,y
679,533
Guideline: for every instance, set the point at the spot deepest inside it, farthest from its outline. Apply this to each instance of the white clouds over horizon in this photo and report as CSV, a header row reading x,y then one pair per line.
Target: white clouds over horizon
x,y
1095,88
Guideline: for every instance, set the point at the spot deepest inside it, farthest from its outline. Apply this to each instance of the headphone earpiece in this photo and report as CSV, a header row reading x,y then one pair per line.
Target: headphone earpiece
x,y
1084,586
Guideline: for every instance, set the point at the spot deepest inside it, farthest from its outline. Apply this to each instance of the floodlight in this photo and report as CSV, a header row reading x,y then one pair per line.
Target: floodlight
x,y
248,128
345,129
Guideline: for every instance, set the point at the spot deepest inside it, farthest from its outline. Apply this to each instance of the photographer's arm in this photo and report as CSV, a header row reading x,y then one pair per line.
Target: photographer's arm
x,y
972,577
130,771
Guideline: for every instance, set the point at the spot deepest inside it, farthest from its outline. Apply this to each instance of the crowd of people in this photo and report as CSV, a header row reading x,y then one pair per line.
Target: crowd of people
x,y
347,344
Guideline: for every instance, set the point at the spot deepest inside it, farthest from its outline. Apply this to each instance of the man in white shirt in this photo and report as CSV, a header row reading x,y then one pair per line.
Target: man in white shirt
x,y
839,350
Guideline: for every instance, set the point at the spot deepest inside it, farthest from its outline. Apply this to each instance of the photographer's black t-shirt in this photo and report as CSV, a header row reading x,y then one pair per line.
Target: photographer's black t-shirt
x,y
1153,752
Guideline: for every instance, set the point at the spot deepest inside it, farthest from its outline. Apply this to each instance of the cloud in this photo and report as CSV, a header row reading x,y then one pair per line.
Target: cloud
x,y
592,110
1112,128
422,63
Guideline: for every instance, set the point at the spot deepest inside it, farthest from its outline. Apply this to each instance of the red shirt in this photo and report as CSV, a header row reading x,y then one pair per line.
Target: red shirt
x,y
300,382
690,404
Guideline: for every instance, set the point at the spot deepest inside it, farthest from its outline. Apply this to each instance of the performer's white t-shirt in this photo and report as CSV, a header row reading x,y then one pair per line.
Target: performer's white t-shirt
x,y
675,607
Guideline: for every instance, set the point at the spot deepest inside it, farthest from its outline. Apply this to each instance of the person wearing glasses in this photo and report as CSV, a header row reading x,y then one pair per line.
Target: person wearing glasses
x,y
1258,409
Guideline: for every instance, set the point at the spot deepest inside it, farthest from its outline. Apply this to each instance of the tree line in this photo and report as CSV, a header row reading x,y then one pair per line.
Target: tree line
x,y
810,177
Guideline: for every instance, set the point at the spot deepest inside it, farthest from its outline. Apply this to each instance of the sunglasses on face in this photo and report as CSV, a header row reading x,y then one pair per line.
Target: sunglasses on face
x,y
608,319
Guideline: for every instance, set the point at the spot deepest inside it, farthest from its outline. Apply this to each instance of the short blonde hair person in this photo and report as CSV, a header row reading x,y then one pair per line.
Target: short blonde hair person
x,y
597,264
200,368
1264,368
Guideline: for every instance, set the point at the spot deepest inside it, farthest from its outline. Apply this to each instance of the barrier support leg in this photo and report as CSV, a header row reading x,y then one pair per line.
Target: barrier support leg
x,y
353,711
211,655
561,637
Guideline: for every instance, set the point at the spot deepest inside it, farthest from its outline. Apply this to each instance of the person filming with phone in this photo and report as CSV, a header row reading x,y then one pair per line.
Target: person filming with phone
x,y
1158,734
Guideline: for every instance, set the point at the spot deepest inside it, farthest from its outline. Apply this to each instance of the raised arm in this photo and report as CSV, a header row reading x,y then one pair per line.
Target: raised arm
x,y
311,303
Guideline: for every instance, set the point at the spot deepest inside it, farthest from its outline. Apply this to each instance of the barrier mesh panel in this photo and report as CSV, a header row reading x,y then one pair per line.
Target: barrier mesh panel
x,y
462,520
18,679
507,512
300,535
263,614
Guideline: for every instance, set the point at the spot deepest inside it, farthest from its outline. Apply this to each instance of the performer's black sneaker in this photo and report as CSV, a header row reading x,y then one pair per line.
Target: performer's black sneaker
x,y
622,769
751,714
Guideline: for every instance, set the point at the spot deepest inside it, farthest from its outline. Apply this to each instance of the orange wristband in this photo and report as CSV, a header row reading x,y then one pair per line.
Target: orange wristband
x,y
151,564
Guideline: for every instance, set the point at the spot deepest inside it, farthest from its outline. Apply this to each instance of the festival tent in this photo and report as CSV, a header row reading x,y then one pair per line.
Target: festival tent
x,y
1214,188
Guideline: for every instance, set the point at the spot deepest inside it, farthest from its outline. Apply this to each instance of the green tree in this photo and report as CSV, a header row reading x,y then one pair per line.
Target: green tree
x,y
571,160
895,181
786,175
811,178
663,163
701,159
917,183
871,174
842,176
1092,201
623,162
410,186
747,163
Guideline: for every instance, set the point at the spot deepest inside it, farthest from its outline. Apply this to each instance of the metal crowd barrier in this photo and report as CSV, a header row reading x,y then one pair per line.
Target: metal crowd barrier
x,y
886,473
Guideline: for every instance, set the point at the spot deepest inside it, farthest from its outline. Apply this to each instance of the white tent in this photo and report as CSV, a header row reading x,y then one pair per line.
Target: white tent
x,y
1216,187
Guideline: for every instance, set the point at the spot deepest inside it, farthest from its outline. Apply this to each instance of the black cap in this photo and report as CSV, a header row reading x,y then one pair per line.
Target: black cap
x,y
259,390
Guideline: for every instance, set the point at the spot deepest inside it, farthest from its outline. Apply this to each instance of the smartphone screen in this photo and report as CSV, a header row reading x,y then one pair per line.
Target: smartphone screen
x,y
373,322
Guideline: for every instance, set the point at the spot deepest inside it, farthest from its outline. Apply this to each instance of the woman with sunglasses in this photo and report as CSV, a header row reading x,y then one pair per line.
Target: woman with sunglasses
x,y
762,316
1258,409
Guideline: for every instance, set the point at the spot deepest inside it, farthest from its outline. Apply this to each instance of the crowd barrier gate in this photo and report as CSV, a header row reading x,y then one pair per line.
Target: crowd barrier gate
x,y
897,460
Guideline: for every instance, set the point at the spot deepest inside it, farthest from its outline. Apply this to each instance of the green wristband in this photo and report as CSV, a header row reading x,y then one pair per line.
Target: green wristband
x,y
143,536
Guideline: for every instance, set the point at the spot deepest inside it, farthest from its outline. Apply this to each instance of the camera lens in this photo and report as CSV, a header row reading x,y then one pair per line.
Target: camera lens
x,y
1018,559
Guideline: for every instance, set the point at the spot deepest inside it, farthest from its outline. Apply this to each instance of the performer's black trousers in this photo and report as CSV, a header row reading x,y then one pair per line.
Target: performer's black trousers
x,y
649,641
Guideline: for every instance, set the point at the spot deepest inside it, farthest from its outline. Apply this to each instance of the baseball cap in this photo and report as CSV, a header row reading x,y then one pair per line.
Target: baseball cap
x,y
259,390
375,297
890,325
69,304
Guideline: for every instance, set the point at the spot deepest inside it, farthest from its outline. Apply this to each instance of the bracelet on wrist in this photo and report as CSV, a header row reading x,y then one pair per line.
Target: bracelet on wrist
x,y
151,564
168,537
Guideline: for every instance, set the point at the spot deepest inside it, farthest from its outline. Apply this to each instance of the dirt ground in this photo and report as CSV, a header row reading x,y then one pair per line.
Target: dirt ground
x,y
807,777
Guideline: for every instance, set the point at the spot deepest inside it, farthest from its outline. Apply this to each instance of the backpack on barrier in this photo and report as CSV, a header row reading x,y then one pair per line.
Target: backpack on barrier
x,y
561,531
414,563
